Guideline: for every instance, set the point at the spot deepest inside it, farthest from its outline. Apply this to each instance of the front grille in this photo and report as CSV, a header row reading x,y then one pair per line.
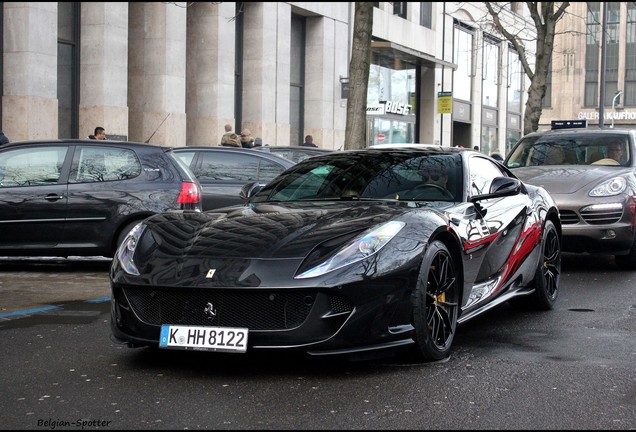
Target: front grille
x,y
256,310
602,217
568,217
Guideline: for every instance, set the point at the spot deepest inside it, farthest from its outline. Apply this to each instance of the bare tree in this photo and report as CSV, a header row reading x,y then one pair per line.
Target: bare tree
x,y
359,68
545,16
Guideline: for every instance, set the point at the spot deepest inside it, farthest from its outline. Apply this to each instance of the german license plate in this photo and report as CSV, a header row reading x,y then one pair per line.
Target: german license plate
x,y
204,338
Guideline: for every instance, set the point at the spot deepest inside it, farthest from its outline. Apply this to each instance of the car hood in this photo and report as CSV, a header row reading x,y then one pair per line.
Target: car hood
x,y
265,231
565,179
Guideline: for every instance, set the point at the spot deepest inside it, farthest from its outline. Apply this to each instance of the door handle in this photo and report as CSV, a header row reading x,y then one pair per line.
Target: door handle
x,y
53,197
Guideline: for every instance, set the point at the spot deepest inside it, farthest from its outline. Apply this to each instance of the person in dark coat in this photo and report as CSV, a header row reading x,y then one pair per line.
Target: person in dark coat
x,y
309,142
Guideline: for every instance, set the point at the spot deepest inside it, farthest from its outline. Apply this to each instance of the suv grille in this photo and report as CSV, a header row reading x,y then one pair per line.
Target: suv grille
x,y
568,217
602,217
273,310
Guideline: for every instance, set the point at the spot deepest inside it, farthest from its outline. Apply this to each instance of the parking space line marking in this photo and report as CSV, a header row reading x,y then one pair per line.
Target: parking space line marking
x,y
98,300
28,311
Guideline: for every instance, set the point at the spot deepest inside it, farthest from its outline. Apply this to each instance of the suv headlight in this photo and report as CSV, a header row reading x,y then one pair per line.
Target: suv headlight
x,y
611,187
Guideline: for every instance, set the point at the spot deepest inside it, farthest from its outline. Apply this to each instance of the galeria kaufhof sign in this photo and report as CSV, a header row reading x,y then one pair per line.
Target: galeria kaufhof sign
x,y
609,115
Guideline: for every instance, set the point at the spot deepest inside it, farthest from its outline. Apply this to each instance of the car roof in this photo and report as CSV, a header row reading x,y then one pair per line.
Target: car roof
x,y
319,149
224,149
83,142
582,131
423,151
403,145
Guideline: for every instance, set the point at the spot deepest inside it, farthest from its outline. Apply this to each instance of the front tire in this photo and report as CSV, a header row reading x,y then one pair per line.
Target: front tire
x,y
627,262
435,305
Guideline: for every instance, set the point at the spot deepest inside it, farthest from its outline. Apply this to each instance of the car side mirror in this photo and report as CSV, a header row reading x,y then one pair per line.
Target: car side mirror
x,y
501,187
249,189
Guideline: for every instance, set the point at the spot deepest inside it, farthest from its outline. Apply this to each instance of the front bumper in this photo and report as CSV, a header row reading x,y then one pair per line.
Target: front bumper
x,y
344,318
605,227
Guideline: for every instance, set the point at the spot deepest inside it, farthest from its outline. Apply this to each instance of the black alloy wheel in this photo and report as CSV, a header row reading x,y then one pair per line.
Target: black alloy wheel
x,y
436,305
548,273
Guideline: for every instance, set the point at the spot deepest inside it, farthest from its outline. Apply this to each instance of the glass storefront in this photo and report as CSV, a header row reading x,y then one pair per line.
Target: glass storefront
x,y
391,104
382,130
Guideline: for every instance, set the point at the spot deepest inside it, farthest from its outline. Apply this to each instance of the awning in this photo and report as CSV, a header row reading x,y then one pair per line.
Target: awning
x,y
395,56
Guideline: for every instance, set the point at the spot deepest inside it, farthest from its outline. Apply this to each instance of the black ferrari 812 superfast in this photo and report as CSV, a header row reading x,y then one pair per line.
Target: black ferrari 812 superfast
x,y
353,251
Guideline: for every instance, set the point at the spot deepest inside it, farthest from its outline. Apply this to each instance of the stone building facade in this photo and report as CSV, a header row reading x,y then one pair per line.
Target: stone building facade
x,y
580,75
175,73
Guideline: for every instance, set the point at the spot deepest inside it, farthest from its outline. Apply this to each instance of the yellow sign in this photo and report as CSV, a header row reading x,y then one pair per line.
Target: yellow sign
x,y
444,102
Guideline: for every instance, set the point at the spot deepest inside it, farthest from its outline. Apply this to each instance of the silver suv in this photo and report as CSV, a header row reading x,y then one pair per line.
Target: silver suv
x,y
590,174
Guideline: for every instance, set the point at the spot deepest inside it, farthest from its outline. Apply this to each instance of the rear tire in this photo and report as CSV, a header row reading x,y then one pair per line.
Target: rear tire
x,y
547,275
435,305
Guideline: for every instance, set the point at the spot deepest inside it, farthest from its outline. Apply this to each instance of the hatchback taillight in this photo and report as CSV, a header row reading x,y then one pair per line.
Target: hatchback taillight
x,y
190,194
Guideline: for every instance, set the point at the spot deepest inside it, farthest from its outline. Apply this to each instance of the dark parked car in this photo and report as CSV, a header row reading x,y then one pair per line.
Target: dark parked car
x,y
594,188
347,252
222,171
80,197
294,153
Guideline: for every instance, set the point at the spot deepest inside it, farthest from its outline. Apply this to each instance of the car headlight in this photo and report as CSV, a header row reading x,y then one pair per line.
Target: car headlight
x,y
359,248
126,252
611,187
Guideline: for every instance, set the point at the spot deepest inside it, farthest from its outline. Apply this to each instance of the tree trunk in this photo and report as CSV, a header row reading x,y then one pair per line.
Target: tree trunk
x,y
359,68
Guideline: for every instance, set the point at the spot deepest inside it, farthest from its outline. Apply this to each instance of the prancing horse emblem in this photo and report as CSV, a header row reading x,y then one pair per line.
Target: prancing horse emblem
x,y
210,273
209,311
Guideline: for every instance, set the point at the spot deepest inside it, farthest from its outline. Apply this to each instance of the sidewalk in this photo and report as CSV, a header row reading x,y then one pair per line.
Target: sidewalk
x,y
32,283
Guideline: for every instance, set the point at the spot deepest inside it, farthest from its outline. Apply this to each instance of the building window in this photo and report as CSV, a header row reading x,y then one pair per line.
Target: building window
x,y
488,139
426,14
68,22
629,93
592,51
297,80
399,9
611,59
515,78
490,77
463,58
391,107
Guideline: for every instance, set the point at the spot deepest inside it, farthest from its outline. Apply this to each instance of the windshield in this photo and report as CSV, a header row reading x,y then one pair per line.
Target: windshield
x,y
575,149
369,175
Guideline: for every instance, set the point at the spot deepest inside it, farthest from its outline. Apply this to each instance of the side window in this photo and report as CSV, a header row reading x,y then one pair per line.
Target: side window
x,y
31,166
100,164
217,166
268,171
482,172
186,157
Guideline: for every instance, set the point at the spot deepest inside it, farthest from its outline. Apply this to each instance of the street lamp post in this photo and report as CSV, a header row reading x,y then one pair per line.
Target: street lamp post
x,y
616,96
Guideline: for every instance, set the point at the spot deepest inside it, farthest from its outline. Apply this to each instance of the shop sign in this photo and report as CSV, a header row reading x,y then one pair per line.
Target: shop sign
x,y
444,102
616,115
389,107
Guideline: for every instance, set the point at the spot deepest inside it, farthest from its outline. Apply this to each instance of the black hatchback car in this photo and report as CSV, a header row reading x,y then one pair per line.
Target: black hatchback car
x,y
222,171
81,197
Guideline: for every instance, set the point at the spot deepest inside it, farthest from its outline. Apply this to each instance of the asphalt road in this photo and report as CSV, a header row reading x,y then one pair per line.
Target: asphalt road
x,y
570,368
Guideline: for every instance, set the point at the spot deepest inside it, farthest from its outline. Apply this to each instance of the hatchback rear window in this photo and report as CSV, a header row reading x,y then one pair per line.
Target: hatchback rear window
x,y
99,164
